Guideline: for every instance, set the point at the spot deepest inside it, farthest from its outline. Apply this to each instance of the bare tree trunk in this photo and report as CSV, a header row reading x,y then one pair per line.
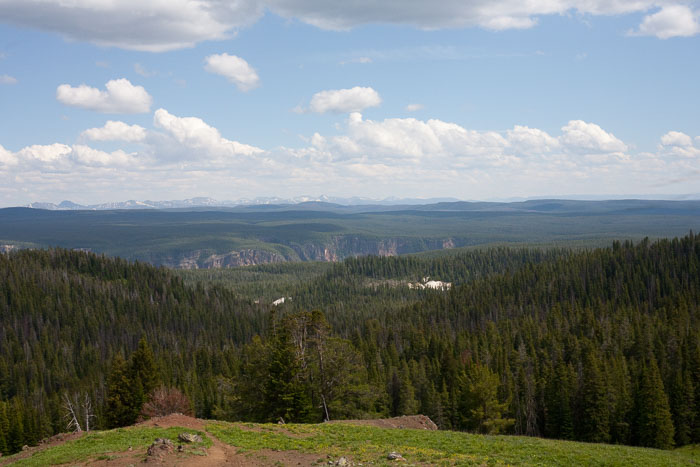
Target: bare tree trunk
x,y
71,414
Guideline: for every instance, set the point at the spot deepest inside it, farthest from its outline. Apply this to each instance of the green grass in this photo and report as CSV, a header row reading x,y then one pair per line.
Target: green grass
x,y
370,444
100,445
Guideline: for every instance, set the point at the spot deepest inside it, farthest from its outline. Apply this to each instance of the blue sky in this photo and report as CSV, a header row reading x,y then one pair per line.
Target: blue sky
x,y
108,101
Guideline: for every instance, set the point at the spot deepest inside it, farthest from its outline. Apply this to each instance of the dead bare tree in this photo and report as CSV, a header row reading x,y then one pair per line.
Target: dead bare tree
x,y
71,414
78,410
87,411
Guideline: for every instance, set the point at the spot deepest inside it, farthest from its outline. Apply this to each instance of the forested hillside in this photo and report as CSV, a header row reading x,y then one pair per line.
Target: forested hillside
x,y
600,345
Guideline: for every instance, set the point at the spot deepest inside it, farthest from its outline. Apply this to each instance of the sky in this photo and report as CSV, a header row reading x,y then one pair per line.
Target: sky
x,y
105,100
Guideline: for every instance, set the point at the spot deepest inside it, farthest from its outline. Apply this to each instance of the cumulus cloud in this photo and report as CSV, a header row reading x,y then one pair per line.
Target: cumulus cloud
x,y
670,21
344,100
153,26
531,140
120,96
116,131
88,156
676,138
7,79
6,157
588,137
678,144
44,153
194,133
235,69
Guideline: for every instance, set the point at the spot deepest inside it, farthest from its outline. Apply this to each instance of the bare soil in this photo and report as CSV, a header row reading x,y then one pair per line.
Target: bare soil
x,y
220,453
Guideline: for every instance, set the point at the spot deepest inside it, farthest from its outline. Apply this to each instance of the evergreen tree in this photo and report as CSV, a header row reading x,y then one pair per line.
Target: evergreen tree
x,y
593,415
143,374
559,416
654,425
4,429
285,393
120,405
480,408
15,435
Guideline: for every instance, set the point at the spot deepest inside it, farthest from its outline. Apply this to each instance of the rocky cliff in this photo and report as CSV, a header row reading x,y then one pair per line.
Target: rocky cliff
x,y
335,249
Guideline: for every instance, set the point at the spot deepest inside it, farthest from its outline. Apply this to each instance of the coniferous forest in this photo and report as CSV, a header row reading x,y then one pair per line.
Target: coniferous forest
x,y
595,345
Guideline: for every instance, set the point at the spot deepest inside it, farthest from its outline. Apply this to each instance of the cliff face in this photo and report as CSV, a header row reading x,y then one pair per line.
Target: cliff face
x,y
341,247
242,258
335,249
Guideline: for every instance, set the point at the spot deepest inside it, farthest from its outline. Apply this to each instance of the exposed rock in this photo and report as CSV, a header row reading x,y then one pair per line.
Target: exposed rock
x,y
428,284
395,456
281,300
189,438
160,448
342,461
242,258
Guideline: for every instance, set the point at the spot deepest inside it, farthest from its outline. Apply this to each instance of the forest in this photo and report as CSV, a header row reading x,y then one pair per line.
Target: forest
x,y
599,345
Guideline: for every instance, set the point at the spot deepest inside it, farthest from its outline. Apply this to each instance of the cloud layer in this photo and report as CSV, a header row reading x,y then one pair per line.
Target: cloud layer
x,y
393,156
119,97
158,26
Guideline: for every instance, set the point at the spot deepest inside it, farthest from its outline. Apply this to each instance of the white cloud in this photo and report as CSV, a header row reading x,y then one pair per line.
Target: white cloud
x,y
675,143
120,96
88,156
194,133
531,140
153,26
409,138
670,21
344,100
7,79
116,131
676,138
44,153
414,107
158,26
489,14
6,157
579,135
235,69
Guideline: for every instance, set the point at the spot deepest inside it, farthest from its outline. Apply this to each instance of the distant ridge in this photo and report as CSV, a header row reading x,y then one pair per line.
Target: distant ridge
x,y
200,202
324,201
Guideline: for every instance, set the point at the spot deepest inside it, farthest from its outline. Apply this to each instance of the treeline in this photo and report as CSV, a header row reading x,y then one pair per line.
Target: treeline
x,y
600,345
65,316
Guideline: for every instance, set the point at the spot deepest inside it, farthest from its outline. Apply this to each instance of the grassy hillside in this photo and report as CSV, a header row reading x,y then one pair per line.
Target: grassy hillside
x,y
271,444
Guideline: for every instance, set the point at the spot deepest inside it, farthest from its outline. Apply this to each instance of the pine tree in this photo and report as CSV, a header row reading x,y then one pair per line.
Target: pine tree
x,y
593,420
682,402
480,408
559,416
4,428
142,374
119,411
285,393
654,425
15,435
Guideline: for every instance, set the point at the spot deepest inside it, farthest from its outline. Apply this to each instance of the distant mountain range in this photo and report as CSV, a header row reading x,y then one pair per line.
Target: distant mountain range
x,y
203,202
